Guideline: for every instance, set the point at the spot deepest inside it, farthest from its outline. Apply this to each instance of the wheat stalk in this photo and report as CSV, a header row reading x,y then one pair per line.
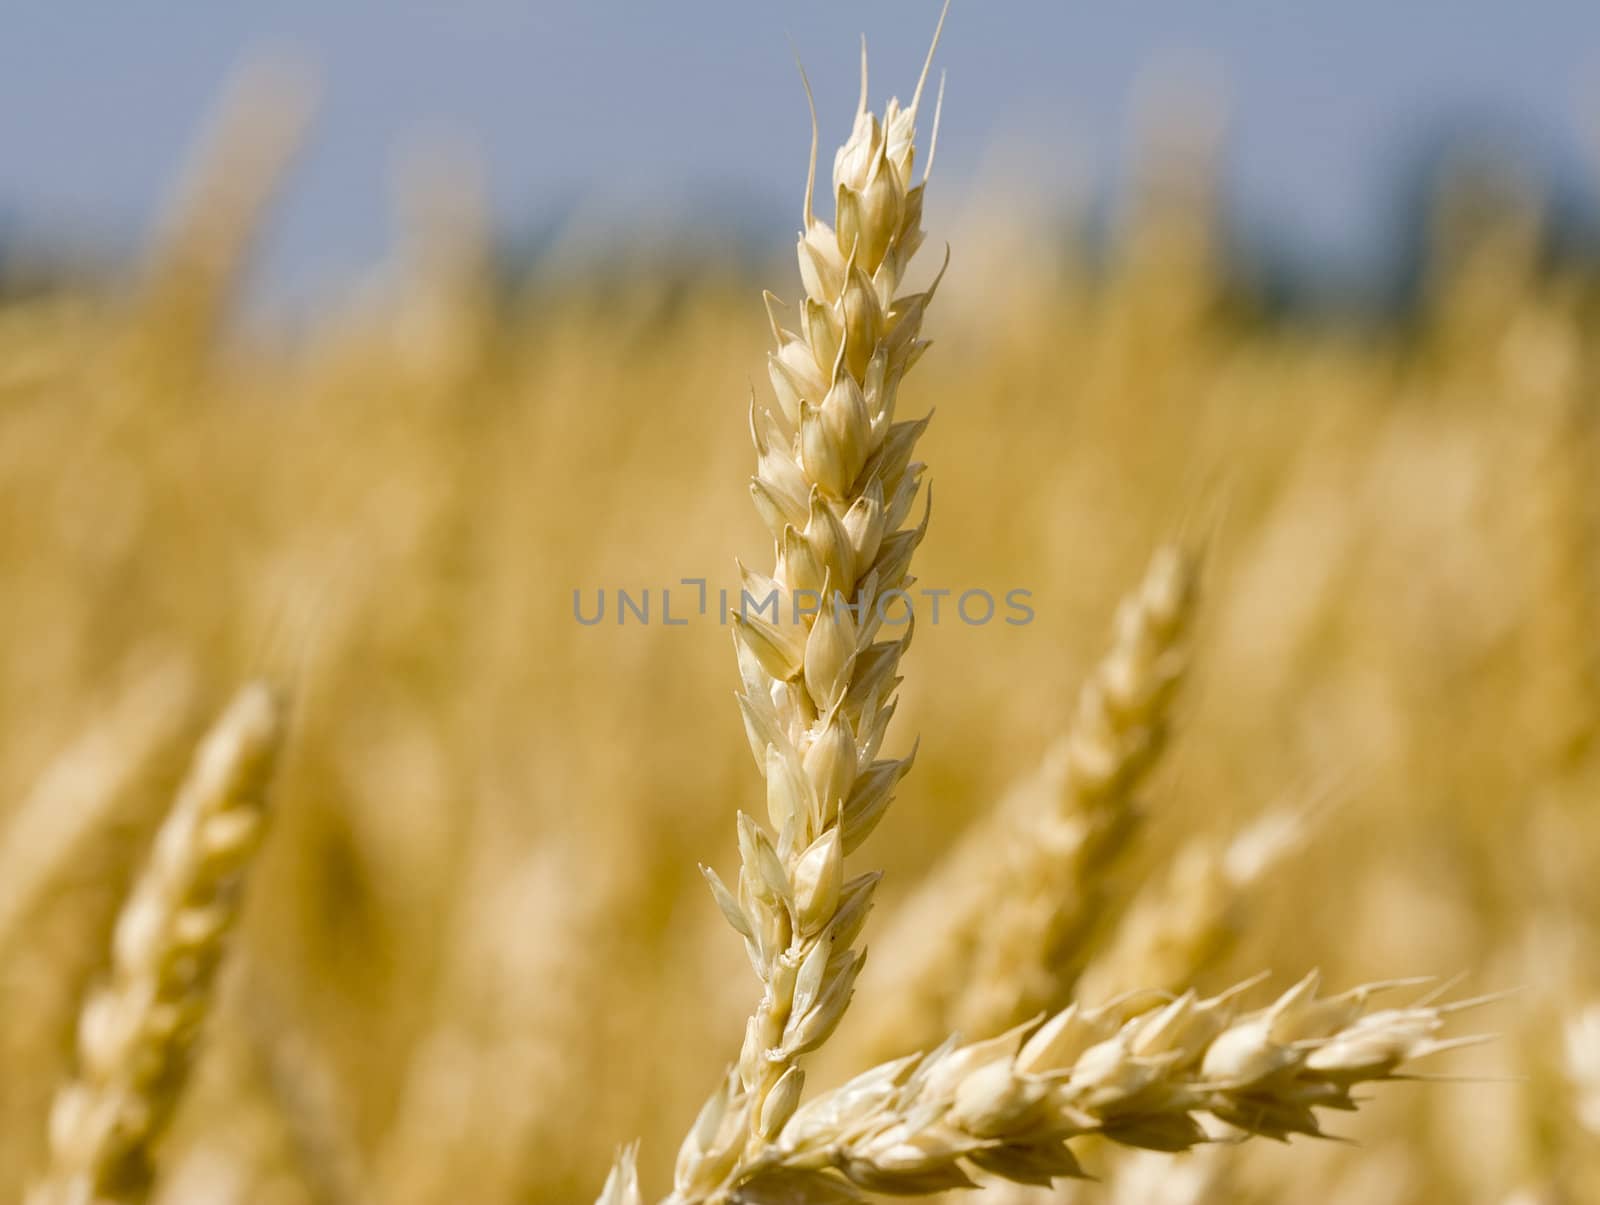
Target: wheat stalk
x,y
835,483
136,1035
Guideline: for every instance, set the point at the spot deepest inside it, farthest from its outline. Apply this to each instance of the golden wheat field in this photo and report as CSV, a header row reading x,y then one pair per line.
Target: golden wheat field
x,y
1244,648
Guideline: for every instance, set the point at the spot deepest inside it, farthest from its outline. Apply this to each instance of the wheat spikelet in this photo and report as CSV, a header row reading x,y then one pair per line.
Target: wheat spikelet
x,y
999,928
1010,1105
137,1034
622,1184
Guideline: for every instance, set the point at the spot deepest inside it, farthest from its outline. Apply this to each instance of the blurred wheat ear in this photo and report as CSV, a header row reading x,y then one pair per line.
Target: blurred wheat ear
x,y
199,256
137,1035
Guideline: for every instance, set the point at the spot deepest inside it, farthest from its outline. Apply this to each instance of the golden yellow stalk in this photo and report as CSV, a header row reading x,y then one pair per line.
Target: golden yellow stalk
x,y
836,484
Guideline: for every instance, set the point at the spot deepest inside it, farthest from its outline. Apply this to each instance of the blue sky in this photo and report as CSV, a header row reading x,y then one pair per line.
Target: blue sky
x,y
623,107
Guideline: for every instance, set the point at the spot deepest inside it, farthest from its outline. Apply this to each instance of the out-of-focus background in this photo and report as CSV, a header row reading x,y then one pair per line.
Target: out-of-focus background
x,y
344,343
622,121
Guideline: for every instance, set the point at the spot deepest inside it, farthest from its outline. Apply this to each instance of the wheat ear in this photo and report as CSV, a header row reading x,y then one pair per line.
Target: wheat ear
x,y
835,483
998,930
202,249
136,1035
1011,1104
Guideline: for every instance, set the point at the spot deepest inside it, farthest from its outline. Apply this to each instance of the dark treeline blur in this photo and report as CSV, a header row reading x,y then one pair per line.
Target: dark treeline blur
x,y
1464,176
